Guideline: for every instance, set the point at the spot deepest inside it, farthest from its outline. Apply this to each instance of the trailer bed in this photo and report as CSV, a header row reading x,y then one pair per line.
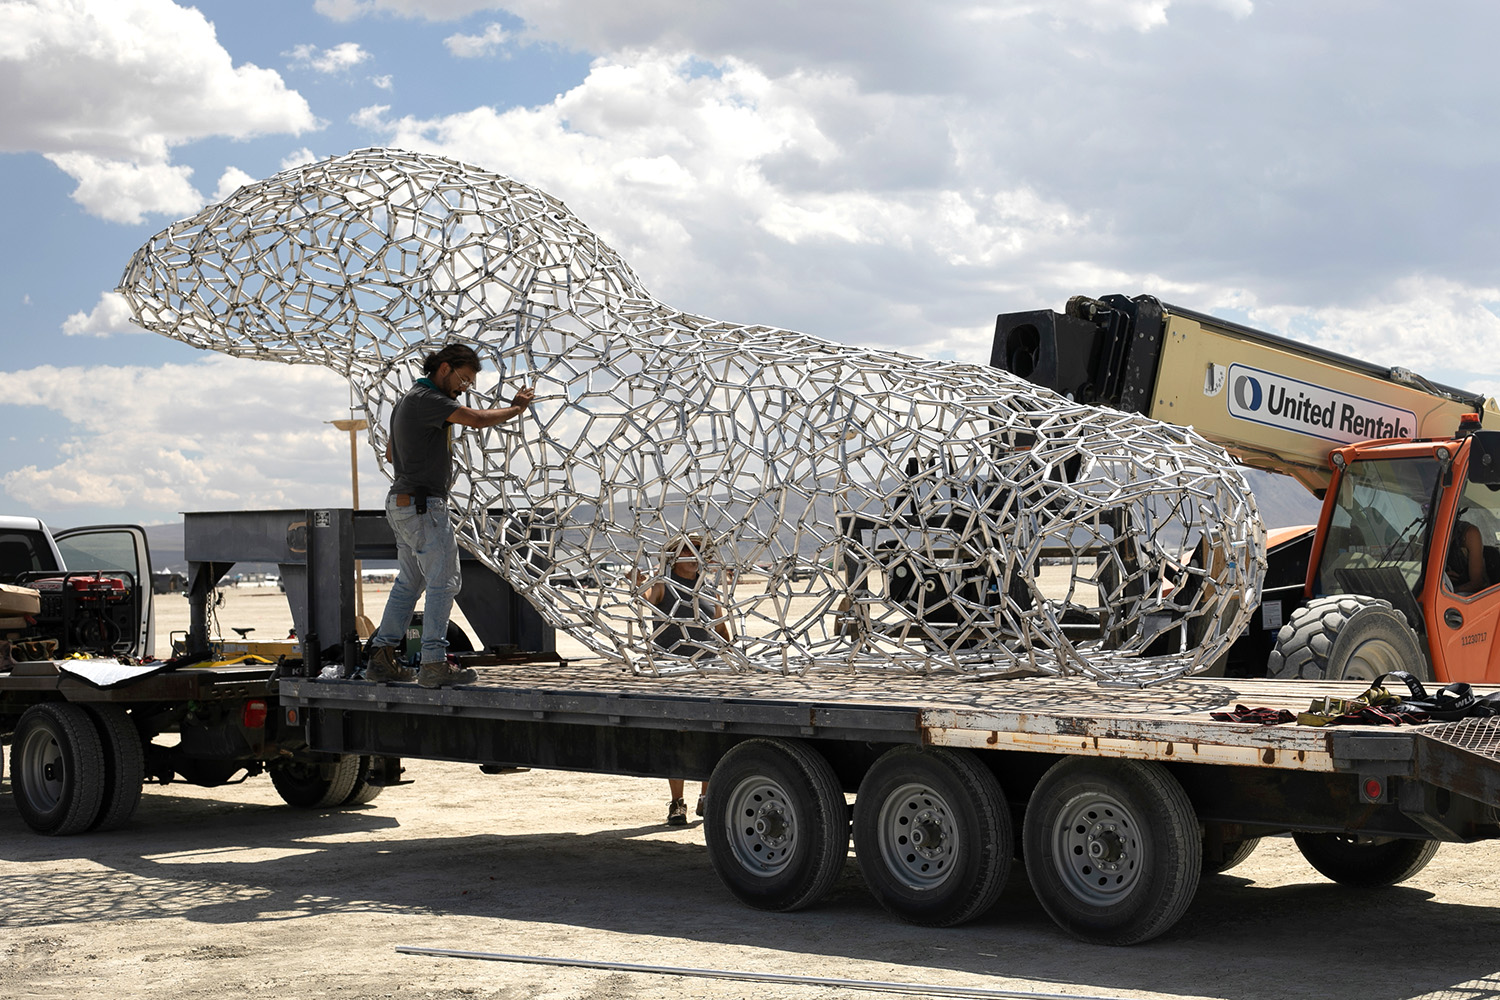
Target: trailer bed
x,y
1061,716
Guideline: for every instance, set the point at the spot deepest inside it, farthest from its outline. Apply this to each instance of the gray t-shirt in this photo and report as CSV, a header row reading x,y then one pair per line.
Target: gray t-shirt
x,y
419,440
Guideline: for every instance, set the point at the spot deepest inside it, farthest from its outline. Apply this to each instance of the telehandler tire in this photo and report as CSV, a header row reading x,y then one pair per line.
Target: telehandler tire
x,y
1346,637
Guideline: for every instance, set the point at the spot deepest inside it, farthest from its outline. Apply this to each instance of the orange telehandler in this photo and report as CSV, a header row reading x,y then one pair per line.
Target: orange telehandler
x,y
1402,570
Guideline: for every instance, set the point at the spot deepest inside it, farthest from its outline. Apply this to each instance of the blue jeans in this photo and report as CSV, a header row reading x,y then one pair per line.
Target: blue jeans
x,y
427,550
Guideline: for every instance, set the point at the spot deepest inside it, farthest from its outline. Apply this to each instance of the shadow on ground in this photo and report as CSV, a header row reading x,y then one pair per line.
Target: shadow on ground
x,y
259,862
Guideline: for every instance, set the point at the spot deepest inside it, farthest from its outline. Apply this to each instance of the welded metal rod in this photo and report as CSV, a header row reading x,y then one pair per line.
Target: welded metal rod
x,y
916,989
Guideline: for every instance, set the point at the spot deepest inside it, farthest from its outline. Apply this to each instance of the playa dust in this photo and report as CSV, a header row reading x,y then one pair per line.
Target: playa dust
x,y
226,892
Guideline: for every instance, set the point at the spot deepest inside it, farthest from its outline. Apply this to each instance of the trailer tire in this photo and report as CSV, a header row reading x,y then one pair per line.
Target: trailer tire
x,y
363,792
1365,861
932,832
302,783
1346,637
57,768
1231,854
1112,848
776,824
124,766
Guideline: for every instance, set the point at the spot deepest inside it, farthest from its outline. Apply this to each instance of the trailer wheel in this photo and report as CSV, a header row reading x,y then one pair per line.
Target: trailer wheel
x,y
1346,637
302,782
124,766
776,824
363,792
1112,848
1231,854
57,768
933,835
1365,861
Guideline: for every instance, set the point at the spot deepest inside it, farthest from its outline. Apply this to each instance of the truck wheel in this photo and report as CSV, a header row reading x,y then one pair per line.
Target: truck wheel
x,y
1346,637
776,824
1112,848
362,792
124,766
1365,861
302,783
1231,854
57,768
933,835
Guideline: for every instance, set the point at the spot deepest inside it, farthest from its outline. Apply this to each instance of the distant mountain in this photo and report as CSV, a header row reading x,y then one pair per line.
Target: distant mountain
x,y
165,541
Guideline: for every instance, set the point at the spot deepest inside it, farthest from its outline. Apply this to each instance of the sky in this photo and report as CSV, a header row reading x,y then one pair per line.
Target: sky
x,y
878,173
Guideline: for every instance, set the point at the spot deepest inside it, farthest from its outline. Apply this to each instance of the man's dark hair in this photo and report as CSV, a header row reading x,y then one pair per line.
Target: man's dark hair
x,y
457,355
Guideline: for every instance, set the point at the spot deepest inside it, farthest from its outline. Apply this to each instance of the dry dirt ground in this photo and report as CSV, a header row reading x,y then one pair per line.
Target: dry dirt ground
x,y
217,893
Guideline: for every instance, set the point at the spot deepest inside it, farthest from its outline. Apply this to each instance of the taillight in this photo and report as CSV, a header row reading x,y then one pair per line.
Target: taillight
x,y
253,716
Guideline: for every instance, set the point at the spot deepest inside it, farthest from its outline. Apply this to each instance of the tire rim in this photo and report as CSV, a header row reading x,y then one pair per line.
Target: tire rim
x,y
918,836
762,826
1370,659
1098,848
43,770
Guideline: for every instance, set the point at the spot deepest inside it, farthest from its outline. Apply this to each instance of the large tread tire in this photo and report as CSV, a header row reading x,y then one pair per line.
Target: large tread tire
x,y
363,792
1365,861
932,832
1112,848
303,784
1346,637
57,771
776,824
124,766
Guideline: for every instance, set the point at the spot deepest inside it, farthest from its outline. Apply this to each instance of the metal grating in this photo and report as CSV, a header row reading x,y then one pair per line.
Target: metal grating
x,y
1477,736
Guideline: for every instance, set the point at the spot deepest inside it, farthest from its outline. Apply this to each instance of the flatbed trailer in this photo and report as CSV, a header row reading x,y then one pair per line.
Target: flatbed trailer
x,y
1118,799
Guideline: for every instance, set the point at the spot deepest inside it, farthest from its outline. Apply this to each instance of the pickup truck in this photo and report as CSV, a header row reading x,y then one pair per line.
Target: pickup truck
x,y
89,712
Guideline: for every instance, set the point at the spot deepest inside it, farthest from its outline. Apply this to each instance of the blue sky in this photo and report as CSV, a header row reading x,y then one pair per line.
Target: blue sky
x,y
880,173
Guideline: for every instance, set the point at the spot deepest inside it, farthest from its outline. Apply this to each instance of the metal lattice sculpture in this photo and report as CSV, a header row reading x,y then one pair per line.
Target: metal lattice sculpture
x,y
858,508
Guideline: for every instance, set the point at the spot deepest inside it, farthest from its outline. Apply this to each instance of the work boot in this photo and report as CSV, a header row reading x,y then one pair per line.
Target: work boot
x,y
440,674
677,813
384,668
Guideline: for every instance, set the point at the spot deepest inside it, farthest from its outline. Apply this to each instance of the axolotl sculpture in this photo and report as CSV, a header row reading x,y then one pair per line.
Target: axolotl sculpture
x,y
855,508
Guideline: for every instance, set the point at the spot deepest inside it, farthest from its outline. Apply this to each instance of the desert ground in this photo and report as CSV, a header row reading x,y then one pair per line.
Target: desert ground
x,y
213,893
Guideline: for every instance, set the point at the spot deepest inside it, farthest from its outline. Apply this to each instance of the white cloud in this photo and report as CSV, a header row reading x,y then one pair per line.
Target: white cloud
x,y
1432,326
432,10
338,59
372,117
801,188
122,191
230,181
383,82
109,316
297,157
221,433
106,88
475,46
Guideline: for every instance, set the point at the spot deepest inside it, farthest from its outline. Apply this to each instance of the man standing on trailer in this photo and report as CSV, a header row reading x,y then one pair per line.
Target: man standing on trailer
x,y
420,516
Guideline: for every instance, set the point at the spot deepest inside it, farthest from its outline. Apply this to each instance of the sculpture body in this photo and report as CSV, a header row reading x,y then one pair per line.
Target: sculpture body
x,y
863,508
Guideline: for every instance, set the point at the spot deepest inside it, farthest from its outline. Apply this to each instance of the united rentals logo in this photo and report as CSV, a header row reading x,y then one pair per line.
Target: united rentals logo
x,y
1303,408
